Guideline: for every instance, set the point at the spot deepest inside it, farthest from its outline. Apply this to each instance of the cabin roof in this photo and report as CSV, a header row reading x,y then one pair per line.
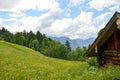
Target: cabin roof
x,y
108,30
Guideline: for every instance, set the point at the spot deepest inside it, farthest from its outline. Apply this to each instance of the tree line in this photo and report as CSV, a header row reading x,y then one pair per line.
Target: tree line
x,y
47,46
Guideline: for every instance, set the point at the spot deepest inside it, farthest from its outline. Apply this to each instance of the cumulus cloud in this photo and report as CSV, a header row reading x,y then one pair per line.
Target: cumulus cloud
x,y
68,12
25,23
8,4
0,20
75,2
101,4
50,24
47,19
19,5
47,4
83,26
16,6
79,27
34,23
58,28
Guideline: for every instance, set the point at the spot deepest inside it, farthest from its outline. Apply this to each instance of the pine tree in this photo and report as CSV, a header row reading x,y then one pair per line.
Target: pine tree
x,y
39,37
68,44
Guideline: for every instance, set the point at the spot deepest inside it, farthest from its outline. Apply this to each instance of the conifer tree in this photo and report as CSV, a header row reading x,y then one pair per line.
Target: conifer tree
x,y
68,45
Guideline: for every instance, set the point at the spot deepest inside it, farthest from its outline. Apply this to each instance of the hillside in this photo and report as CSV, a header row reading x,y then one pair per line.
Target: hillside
x,y
21,63
18,62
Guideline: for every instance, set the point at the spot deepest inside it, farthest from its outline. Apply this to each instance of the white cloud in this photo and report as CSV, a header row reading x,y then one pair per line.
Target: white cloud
x,y
50,24
84,17
84,25
58,27
47,4
16,15
1,23
1,20
101,4
79,27
47,19
10,19
34,23
68,12
26,4
19,5
99,19
75,2
13,17
117,2
25,23
102,16
8,4
114,8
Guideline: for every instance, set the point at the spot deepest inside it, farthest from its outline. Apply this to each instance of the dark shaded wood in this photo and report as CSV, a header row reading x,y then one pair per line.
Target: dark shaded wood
x,y
111,49
115,40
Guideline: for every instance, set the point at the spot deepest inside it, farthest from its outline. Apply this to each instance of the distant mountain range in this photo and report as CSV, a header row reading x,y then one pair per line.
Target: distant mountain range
x,y
75,42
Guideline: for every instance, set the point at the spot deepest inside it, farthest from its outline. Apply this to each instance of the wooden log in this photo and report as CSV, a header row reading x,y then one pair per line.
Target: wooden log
x,y
115,62
115,58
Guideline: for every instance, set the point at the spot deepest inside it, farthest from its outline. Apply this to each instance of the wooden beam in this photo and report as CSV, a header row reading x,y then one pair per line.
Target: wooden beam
x,y
96,49
115,40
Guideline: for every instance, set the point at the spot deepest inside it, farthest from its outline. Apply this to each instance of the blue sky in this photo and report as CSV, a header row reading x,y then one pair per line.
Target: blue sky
x,y
70,18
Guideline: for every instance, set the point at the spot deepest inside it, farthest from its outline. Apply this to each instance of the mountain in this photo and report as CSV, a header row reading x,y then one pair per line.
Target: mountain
x,y
75,42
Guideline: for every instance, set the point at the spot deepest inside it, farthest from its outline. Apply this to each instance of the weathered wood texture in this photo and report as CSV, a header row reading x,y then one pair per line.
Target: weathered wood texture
x,y
110,51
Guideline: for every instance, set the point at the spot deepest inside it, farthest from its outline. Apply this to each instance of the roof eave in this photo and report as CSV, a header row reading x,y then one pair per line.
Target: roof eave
x,y
91,52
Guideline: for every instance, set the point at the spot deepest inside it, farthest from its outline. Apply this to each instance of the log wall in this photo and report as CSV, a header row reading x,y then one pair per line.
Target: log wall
x,y
111,50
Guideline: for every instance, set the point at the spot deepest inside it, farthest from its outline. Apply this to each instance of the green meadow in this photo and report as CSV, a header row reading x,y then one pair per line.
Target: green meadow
x,y
21,63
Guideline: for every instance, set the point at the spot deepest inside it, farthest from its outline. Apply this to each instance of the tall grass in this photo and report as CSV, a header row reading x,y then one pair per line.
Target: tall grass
x,y
20,63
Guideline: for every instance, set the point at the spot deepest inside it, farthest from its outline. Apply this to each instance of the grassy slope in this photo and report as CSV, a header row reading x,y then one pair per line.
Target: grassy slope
x,y
21,63
18,63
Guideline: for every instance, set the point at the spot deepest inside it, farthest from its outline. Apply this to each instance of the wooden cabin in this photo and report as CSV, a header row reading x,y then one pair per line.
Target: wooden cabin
x,y
106,47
